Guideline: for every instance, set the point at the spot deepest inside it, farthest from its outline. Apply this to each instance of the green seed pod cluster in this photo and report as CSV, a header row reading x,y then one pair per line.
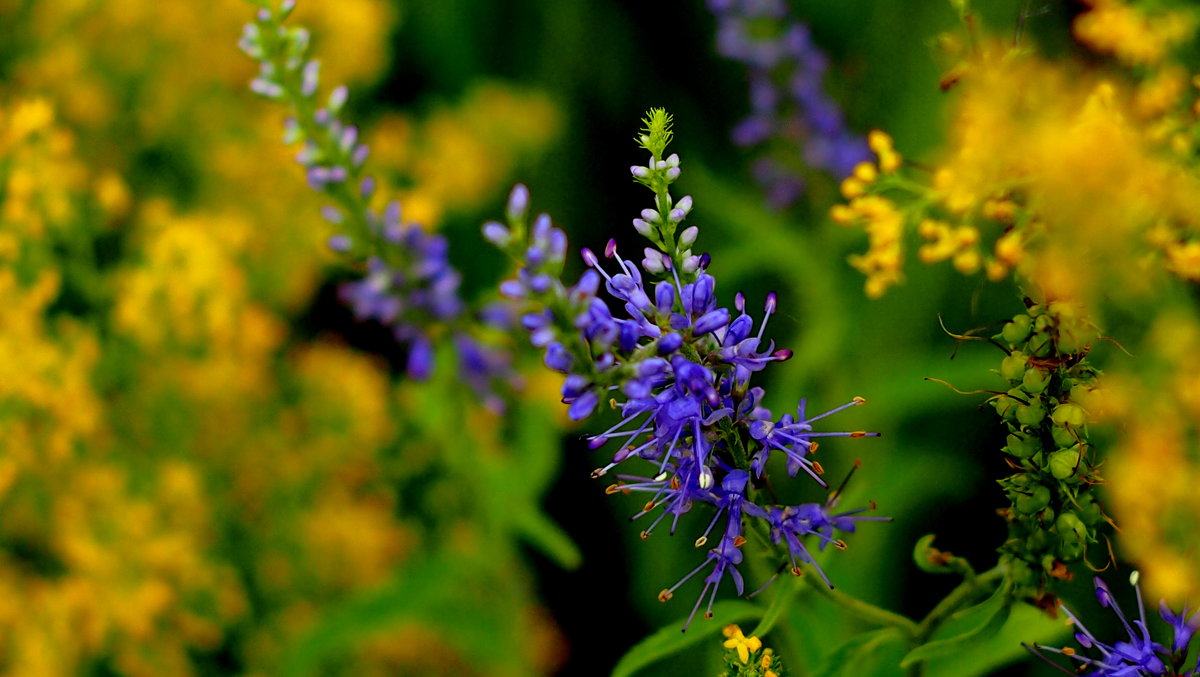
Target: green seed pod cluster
x,y
1054,515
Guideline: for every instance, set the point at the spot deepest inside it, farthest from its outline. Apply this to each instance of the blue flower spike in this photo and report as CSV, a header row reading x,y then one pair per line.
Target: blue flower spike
x,y
653,342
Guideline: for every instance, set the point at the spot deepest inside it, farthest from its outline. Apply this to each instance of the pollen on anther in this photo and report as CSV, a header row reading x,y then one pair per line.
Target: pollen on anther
x,y
664,595
812,447
839,544
708,615
797,572
701,541
612,404
675,483
644,535
598,472
818,468
1068,651
872,504
613,488
739,541
858,433
648,507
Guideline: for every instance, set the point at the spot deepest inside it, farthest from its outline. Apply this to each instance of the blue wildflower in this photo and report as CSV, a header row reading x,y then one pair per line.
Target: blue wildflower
x,y
654,341
1139,654
407,283
789,108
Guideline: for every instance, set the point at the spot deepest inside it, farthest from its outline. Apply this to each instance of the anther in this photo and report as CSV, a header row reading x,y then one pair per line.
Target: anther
x,y
858,433
645,535
598,472
797,572
817,468
701,541
612,488
739,541
664,595
839,544
859,400
648,507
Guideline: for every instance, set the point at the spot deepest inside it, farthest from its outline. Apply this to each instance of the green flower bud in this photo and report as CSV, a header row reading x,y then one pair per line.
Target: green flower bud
x,y
1005,406
1040,345
1013,366
1022,447
1030,415
1035,380
1068,414
1074,535
1064,462
1034,501
1079,391
1063,437
1089,511
1018,330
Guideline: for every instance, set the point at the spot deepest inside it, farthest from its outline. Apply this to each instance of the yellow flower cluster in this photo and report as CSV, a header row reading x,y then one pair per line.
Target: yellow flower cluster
x,y
883,221
1052,170
1130,34
180,476
1155,466
747,648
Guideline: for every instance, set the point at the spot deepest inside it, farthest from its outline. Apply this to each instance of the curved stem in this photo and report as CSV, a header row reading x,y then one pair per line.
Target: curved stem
x,y
868,612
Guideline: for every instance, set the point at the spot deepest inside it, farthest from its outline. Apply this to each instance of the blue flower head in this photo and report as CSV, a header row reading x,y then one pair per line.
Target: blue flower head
x,y
1138,653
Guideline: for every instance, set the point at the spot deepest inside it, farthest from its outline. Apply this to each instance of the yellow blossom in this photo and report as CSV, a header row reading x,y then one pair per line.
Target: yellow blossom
x,y
742,644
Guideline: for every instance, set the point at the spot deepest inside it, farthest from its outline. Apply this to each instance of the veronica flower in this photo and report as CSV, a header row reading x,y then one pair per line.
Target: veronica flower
x,y
791,115
655,342
407,281
1138,653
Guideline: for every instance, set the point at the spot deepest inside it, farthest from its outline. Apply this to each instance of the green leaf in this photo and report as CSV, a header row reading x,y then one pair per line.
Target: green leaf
x,y
783,599
870,654
966,628
1026,624
542,533
669,640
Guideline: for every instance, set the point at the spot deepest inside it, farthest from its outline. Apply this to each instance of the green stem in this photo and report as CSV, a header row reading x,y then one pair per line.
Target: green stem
x,y
866,611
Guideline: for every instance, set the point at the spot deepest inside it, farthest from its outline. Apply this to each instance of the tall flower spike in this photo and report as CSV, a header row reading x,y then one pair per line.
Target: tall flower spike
x,y
407,281
677,366
789,109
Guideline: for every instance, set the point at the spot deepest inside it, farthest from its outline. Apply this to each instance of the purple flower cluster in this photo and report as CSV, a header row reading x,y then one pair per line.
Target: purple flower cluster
x,y
1139,654
677,365
789,106
408,283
